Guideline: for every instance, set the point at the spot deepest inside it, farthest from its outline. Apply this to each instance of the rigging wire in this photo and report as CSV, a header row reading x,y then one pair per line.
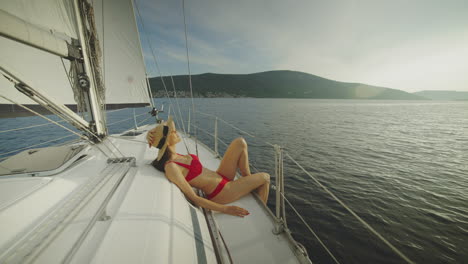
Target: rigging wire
x,y
35,145
300,217
148,84
48,119
141,122
95,70
189,74
112,111
120,121
130,118
310,229
370,228
103,73
236,128
398,252
161,75
69,78
21,128
152,52
177,102
56,123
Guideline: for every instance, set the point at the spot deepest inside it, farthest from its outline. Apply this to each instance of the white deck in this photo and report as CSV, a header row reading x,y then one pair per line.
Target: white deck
x,y
249,239
149,219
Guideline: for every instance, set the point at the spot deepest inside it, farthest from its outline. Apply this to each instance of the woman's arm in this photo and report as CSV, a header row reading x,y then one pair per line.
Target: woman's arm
x,y
175,176
149,137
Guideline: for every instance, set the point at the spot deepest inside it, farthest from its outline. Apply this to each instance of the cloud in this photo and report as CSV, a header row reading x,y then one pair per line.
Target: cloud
x,y
357,41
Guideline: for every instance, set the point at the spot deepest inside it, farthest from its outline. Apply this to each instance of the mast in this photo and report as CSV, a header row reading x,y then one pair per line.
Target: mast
x,y
87,79
74,50
69,32
19,30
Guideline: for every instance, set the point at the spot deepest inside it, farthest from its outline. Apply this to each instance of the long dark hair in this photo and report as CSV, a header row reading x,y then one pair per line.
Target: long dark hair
x,y
160,164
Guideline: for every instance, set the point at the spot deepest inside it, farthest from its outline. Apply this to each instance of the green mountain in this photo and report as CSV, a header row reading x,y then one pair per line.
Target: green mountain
x,y
274,84
443,95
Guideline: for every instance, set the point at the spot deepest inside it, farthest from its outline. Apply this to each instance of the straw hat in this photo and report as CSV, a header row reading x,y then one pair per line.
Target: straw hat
x,y
160,134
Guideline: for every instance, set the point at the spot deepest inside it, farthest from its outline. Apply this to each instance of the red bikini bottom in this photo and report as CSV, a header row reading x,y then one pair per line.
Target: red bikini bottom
x,y
218,188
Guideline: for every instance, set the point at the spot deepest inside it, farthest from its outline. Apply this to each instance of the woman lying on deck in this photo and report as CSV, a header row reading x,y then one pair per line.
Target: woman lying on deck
x,y
186,172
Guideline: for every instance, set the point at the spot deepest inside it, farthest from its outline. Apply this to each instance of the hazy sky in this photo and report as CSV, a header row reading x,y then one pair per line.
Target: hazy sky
x,y
408,45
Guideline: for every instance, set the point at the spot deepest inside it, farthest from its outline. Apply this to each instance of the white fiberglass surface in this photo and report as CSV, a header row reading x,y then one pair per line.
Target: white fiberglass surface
x,y
34,198
249,239
150,220
155,223
14,189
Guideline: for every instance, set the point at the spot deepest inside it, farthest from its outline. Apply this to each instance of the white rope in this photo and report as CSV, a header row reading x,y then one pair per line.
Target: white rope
x,y
398,252
42,143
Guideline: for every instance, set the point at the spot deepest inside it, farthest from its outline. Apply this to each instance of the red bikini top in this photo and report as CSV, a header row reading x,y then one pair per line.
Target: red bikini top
x,y
194,169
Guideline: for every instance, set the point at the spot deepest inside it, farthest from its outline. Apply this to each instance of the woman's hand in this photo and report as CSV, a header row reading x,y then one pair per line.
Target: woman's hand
x,y
235,210
150,137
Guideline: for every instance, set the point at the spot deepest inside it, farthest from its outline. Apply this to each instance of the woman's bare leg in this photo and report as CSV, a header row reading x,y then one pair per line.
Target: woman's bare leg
x,y
263,191
236,156
236,189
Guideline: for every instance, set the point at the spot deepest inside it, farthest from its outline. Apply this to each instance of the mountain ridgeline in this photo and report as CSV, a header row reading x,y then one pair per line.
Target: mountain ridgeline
x,y
444,95
273,84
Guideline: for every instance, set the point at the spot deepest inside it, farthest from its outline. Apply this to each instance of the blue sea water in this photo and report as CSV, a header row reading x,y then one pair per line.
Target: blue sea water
x,y
400,165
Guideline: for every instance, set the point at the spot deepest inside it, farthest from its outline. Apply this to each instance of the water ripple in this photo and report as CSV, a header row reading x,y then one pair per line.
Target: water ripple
x,y
401,165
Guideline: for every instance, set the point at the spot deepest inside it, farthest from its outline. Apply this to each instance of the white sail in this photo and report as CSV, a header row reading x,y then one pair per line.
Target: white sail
x,y
123,68
53,15
35,67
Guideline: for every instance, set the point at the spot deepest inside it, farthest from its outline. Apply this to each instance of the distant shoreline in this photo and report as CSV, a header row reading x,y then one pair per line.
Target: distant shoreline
x,y
362,99
283,84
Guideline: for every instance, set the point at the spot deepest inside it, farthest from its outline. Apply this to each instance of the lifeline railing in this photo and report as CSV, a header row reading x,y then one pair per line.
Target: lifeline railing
x,y
5,155
280,209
